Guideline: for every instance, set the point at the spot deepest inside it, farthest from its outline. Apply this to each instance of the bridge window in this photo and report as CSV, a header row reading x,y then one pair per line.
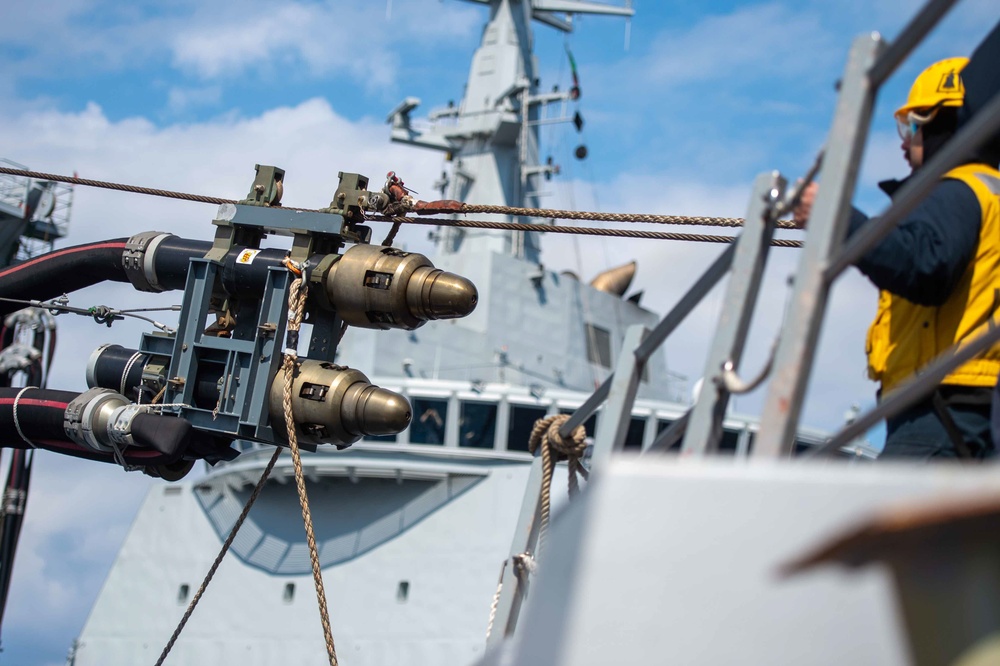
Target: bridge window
x,y
730,438
598,345
663,424
429,418
477,425
633,439
522,420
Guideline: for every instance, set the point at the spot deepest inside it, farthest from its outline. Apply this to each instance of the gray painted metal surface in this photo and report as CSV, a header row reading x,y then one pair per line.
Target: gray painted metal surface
x,y
676,561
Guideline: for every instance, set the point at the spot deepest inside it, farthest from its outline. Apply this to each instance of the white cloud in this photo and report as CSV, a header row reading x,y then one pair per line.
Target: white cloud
x,y
354,43
183,99
280,38
77,516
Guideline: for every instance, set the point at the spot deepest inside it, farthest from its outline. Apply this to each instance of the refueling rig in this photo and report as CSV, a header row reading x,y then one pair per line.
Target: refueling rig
x,y
186,394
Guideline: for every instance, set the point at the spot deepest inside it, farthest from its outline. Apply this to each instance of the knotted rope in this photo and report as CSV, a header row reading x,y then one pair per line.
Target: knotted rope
x,y
524,564
296,305
555,448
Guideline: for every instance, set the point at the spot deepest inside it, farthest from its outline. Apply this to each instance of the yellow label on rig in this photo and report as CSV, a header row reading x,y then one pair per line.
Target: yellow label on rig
x,y
247,256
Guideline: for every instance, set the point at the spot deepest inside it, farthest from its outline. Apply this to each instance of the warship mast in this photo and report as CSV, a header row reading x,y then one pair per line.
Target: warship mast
x,y
491,137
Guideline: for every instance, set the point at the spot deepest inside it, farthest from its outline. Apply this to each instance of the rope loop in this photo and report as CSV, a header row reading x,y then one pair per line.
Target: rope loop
x,y
546,432
554,447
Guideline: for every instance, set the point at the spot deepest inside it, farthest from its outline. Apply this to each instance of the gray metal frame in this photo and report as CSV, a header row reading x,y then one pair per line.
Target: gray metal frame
x,y
250,356
250,364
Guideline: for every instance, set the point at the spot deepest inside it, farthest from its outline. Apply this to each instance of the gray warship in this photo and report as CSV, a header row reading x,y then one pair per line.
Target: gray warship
x,y
696,558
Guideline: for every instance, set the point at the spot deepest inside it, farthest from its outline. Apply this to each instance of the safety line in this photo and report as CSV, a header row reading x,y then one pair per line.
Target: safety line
x,y
462,208
582,231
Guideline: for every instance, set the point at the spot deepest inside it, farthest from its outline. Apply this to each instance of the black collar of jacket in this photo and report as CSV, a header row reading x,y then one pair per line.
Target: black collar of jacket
x,y
892,185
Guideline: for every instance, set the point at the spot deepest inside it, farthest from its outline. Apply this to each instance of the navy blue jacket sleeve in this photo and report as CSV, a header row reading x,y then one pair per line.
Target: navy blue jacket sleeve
x,y
926,254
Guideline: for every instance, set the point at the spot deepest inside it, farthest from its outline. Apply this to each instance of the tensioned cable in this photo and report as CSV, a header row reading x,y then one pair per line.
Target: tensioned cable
x,y
584,231
73,180
645,218
474,208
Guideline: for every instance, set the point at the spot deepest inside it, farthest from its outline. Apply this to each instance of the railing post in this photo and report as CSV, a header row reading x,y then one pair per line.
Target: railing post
x,y
705,427
610,437
827,228
613,427
514,588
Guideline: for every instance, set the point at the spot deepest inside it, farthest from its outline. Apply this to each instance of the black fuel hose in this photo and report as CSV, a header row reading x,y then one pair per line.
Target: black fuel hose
x,y
244,270
159,439
50,275
172,257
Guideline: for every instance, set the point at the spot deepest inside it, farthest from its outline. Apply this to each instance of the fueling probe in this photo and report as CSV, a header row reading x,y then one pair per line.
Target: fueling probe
x,y
217,375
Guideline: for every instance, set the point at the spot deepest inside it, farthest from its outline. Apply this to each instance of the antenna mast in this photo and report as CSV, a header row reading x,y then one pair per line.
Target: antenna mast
x,y
491,137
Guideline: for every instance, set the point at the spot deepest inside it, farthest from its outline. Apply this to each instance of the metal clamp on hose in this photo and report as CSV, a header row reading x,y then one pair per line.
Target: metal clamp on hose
x,y
137,260
88,418
120,423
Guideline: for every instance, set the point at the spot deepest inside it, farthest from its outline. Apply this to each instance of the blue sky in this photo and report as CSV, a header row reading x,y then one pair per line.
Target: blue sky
x,y
190,95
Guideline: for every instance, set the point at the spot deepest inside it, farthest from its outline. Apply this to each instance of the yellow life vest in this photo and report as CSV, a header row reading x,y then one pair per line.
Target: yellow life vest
x,y
905,336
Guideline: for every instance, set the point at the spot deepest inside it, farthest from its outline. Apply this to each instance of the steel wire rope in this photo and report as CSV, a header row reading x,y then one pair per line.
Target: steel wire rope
x,y
594,216
512,211
120,187
582,231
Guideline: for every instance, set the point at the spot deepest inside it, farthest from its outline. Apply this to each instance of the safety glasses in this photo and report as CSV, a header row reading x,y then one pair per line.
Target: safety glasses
x,y
908,125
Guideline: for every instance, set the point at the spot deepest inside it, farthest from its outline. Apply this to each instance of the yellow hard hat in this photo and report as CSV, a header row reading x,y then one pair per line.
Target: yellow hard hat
x,y
938,85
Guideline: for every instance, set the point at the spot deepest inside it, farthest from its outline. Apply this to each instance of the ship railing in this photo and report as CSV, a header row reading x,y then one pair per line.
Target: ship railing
x,y
826,254
14,189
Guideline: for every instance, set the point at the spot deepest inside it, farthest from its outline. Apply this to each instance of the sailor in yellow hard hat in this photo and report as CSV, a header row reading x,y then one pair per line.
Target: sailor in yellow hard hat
x,y
938,87
937,274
